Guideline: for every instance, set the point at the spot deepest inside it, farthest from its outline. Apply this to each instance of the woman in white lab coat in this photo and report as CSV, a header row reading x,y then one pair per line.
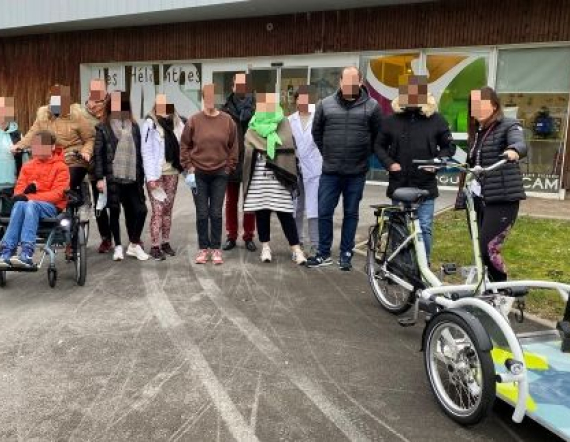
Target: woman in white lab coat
x,y
310,165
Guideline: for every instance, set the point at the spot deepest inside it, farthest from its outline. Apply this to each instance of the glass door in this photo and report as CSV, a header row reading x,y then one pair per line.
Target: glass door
x,y
264,79
290,80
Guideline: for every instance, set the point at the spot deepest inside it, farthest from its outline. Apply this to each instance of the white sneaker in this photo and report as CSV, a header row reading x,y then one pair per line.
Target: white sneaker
x,y
299,257
265,254
136,251
118,254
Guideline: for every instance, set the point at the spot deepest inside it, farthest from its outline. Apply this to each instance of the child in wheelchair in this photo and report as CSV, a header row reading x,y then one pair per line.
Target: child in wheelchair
x,y
39,194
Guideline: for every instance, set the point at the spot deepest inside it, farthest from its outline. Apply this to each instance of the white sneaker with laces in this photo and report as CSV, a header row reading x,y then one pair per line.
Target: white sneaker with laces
x,y
299,257
136,251
265,254
118,254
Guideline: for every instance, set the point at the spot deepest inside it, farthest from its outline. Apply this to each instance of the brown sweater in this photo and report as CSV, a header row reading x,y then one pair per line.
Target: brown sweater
x,y
209,144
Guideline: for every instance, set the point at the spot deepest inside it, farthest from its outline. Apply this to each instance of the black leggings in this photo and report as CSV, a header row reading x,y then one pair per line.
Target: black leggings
x,y
103,223
135,213
77,175
495,223
263,219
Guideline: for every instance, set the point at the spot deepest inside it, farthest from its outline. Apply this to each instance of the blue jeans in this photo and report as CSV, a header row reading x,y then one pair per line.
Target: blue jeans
x,y
24,221
330,188
209,200
425,215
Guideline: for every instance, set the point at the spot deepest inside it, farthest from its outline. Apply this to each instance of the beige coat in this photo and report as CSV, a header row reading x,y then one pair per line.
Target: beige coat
x,y
73,132
285,163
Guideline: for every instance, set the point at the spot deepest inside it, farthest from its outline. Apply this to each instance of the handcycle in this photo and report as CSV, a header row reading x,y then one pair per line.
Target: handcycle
x,y
66,231
466,324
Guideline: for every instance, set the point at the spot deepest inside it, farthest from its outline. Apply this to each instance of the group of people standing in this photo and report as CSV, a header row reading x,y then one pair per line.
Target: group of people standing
x,y
296,166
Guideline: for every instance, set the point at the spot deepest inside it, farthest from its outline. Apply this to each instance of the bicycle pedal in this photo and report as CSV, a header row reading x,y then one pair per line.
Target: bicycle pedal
x,y
407,322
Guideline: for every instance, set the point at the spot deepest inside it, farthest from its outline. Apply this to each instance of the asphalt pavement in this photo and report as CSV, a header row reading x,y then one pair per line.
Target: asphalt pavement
x,y
172,351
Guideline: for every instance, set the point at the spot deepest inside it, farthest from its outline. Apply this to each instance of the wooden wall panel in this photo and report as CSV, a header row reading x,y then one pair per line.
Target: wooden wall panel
x,y
30,64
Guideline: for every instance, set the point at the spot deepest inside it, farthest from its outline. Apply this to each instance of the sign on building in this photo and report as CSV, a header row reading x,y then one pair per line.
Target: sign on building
x,y
180,82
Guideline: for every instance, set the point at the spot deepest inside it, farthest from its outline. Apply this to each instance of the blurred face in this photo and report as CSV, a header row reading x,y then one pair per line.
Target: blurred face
x,y
481,108
350,83
267,102
60,100
303,102
97,90
240,84
413,90
118,111
209,95
163,107
7,111
42,149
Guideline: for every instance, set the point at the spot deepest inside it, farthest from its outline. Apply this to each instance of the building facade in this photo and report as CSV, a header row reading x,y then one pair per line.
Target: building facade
x,y
522,48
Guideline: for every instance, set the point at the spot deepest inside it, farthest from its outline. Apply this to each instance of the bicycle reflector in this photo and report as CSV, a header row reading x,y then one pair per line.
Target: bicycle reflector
x,y
65,223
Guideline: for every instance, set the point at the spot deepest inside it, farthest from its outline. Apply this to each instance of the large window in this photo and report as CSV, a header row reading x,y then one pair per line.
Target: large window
x,y
534,86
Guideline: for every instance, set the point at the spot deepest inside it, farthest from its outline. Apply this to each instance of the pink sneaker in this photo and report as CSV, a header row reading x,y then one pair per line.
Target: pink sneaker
x,y
217,257
202,256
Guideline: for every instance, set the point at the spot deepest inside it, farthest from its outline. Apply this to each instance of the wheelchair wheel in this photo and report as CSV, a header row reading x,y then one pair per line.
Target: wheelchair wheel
x,y
461,375
387,293
52,276
2,279
80,255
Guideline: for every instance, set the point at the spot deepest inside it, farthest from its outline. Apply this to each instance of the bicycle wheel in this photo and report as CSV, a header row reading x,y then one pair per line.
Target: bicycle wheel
x,y
388,294
52,276
461,375
79,255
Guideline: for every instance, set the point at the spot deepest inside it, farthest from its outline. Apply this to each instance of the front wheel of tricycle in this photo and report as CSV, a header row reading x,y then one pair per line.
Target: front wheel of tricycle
x,y
461,374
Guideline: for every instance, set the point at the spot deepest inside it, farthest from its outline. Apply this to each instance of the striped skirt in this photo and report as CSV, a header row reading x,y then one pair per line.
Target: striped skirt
x,y
266,192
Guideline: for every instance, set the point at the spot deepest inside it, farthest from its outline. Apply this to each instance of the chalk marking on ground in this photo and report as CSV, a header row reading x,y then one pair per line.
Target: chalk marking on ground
x,y
173,324
313,391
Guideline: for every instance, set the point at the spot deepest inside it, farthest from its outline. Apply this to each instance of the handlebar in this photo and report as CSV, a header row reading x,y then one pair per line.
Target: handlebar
x,y
441,163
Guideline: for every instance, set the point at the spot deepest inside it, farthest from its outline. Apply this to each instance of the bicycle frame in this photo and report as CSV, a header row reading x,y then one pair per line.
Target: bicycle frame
x,y
419,247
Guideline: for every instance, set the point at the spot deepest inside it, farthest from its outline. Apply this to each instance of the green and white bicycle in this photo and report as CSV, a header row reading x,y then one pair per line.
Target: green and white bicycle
x,y
463,322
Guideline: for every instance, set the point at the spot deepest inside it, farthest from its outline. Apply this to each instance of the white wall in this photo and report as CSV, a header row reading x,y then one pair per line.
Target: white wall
x,y
24,13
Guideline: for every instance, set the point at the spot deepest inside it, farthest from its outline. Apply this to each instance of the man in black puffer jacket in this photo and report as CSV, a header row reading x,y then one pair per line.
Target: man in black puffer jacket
x,y
414,132
344,129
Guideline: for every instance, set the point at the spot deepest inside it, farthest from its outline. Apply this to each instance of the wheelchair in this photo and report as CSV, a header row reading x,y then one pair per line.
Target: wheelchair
x,y
68,231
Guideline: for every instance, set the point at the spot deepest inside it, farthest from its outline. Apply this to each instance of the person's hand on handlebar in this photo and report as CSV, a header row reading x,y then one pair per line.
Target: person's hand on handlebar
x,y
512,155
15,149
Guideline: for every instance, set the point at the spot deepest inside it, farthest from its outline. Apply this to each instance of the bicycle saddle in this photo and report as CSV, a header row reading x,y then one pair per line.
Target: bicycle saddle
x,y
410,195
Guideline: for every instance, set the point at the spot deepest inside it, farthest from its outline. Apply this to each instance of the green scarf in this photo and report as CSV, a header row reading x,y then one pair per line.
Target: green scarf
x,y
265,124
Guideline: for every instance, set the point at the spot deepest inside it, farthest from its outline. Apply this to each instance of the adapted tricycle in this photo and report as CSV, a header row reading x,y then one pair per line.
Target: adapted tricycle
x,y
471,353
